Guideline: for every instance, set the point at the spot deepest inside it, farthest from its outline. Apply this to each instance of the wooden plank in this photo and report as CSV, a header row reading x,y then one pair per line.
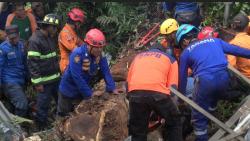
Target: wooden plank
x,y
231,136
232,120
205,113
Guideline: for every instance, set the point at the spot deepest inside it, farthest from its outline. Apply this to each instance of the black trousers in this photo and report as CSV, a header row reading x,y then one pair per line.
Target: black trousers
x,y
141,103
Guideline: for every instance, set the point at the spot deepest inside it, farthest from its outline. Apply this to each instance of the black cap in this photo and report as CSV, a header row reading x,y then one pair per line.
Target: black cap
x,y
240,20
12,31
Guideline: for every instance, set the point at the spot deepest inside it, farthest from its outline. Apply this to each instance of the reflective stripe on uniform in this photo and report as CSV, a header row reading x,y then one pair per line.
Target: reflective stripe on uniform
x,y
200,132
38,54
44,79
212,108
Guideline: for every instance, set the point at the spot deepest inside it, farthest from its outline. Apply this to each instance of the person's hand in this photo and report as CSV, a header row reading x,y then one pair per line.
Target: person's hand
x,y
98,93
118,91
39,88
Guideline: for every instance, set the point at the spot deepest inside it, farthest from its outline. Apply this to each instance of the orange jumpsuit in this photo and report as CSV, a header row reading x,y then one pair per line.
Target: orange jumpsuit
x,y
67,40
242,64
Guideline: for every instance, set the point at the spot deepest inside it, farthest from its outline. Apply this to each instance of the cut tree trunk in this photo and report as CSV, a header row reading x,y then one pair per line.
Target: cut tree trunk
x,y
101,118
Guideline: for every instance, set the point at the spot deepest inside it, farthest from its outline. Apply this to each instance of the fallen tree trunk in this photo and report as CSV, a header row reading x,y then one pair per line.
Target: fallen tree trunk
x,y
101,118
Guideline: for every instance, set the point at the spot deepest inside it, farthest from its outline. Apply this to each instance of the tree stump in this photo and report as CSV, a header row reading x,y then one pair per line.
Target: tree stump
x,y
101,118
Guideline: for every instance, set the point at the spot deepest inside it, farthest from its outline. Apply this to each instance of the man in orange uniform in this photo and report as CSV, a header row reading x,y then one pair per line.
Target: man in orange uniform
x,y
149,89
240,25
68,39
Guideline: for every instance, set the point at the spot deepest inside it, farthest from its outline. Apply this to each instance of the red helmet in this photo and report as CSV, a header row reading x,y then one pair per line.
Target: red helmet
x,y
76,15
95,37
207,32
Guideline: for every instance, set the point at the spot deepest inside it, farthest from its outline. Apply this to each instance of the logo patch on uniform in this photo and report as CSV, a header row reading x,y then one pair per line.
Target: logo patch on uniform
x,y
86,60
77,59
86,65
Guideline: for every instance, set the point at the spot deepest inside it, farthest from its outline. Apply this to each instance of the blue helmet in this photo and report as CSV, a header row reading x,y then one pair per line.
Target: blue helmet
x,y
183,30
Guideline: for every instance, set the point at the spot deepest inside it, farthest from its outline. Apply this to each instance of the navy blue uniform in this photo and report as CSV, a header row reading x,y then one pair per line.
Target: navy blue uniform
x,y
13,74
75,80
208,62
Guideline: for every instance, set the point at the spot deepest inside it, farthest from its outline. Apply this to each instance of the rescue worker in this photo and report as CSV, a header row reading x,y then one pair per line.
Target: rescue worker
x,y
68,39
168,30
185,12
208,63
86,62
13,70
152,92
44,67
240,26
207,32
25,21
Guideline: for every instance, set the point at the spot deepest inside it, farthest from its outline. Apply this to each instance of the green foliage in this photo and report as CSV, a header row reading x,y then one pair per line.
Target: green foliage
x,y
214,11
118,21
226,108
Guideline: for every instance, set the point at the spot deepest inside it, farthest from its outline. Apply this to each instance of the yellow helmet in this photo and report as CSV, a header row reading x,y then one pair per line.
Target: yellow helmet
x,y
169,26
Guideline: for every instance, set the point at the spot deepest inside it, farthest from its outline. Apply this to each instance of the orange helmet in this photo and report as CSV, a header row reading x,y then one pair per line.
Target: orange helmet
x,y
76,15
95,37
